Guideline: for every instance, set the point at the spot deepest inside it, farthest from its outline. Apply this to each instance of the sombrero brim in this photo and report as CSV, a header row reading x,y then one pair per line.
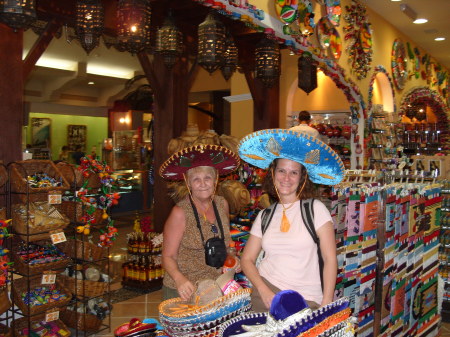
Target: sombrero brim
x,y
222,159
260,148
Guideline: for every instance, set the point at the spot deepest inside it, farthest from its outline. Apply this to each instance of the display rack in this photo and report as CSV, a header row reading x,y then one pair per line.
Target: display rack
x,y
75,248
444,250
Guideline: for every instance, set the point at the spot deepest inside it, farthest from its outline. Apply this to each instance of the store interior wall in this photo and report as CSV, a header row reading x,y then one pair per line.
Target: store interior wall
x,y
97,131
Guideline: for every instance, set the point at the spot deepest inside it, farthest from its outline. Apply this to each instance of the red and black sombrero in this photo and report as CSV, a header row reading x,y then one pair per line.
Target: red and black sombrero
x,y
222,159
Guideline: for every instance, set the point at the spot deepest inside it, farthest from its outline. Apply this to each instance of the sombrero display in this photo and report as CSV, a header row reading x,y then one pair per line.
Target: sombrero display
x,y
260,148
188,320
290,316
222,159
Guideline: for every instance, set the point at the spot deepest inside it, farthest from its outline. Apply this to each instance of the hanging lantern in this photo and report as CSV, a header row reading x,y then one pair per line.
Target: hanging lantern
x,y
133,25
89,23
211,43
268,61
17,14
230,58
307,73
169,42
421,112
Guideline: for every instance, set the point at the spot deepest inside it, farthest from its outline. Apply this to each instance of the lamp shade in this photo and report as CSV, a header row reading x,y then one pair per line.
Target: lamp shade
x,y
89,23
169,42
133,25
17,14
230,60
307,73
211,43
267,61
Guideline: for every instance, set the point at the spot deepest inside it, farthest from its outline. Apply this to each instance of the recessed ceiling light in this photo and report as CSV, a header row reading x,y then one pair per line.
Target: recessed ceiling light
x,y
439,39
420,21
395,0
91,83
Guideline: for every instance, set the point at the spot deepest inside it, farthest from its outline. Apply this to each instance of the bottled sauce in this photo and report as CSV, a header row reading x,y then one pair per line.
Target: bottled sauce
x,y
230,261
142,271
152,272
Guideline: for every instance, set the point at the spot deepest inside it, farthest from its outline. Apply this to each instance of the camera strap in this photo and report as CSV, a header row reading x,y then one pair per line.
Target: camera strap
x,y
197,218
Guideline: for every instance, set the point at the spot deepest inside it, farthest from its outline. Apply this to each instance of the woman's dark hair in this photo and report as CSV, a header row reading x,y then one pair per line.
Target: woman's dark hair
x,y
304,116
309,191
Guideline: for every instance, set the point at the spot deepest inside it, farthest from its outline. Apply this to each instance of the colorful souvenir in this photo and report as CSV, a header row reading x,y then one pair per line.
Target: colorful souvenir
x,y
286,10
333,11
306,18
399,64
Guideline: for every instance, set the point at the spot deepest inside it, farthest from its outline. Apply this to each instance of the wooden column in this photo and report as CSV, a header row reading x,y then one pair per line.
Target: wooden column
x,y
11,94
266,103
171,90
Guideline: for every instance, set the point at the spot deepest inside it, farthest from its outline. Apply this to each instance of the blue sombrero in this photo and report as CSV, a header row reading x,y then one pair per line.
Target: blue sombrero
x,y
260,148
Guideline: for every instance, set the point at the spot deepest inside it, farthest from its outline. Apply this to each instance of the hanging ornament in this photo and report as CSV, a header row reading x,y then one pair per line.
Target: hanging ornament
x,y
268,61
230,61
169,42
307,73
89,23
17,14
211,43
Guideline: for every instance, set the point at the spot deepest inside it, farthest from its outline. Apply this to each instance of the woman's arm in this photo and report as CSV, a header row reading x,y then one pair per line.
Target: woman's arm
x,y
328,249
173,233
248,264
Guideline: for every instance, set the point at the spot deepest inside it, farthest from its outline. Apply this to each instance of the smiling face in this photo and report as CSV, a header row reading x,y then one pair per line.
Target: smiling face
x,y
201,181
287,179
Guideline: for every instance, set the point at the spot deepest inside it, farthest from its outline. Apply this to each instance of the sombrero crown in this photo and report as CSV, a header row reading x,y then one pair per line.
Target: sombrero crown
x,y
222,159
260,148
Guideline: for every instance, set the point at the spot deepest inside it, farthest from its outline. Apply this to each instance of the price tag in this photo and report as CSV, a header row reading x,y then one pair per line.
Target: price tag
x,y
51,316
54,197
58,237
48,277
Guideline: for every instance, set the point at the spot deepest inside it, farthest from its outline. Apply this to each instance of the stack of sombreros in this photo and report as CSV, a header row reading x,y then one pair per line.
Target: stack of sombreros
x,y
290,316
198,317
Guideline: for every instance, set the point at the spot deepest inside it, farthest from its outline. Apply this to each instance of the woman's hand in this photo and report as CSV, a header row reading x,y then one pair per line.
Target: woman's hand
x,y
185,289
267,296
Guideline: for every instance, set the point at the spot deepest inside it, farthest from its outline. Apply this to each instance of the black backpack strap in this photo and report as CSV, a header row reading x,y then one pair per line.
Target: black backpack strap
x,y
219,222
194,209
307,211
267,216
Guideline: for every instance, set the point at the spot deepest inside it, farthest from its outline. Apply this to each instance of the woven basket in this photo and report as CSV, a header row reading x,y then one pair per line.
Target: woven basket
x,y
26,269
5,303
22,323
42,219
22,169
84,322
74,211
5,331
75,177
84,288
82,250
20,286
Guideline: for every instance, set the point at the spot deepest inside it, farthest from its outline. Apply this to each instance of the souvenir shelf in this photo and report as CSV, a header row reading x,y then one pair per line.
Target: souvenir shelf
x,y
444,250
422,139
37,293
43,217
384,141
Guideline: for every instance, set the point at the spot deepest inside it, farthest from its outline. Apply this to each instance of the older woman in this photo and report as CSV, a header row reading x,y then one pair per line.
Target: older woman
x,y
291,258
196,219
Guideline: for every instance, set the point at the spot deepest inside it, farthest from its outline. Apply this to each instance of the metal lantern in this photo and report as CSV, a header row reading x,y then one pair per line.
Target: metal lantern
x,y
169,42
133,25
89,23
307,73
268,62
230,58
17,14
211,43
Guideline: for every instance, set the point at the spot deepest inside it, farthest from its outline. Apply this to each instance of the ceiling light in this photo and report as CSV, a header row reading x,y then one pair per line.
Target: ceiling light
x,y
91,83
395,0
420,21
439,39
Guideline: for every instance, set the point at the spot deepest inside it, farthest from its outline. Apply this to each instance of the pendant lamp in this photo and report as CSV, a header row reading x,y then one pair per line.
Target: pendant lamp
x,y
211,43
17,14
307,73
268,62
89,23
230,61
133,25
169,42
